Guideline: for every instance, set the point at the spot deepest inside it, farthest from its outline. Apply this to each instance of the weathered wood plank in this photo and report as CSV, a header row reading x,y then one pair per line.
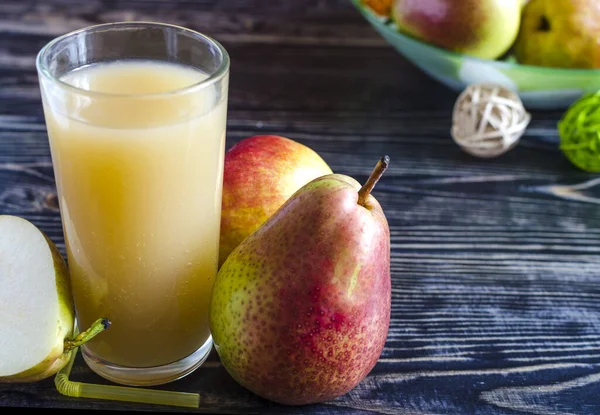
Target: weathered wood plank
x,y
495,263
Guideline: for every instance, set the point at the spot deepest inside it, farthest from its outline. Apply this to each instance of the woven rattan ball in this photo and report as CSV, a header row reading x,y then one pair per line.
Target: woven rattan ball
x,y
488,120
579,131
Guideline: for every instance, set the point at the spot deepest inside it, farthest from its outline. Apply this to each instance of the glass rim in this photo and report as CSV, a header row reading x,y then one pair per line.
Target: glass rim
x,y
214,77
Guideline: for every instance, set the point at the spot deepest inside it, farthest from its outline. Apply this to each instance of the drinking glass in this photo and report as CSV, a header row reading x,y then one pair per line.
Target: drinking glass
x,y
136,119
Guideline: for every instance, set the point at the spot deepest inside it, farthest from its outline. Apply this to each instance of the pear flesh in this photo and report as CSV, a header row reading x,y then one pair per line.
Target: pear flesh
x,y
36,308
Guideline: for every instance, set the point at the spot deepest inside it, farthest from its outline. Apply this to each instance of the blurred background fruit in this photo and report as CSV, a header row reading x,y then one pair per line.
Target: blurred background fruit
x,y
538,84
560,33
481,28
381,7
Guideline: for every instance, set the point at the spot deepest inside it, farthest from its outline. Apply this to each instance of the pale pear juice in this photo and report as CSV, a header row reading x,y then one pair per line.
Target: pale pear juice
x,y
139,176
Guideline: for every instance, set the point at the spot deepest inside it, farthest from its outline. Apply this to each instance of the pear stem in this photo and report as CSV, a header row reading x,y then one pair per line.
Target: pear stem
x,y
376,174
97,327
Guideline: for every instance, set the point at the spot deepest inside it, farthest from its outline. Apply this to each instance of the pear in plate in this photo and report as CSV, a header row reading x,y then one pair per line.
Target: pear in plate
x,y
37,317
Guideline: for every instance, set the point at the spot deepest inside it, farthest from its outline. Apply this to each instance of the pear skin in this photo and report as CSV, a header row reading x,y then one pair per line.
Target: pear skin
x,y
46,368
260,173
560,34
300,310
481,28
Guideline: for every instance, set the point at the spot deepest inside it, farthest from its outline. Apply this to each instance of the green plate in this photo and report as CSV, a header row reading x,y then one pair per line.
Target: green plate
x,y
539,87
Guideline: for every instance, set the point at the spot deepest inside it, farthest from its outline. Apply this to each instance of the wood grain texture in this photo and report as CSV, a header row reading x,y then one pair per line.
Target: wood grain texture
x,y
495,263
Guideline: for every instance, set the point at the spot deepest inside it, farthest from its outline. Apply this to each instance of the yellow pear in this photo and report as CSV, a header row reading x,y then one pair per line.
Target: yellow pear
x,y
560,34
37,317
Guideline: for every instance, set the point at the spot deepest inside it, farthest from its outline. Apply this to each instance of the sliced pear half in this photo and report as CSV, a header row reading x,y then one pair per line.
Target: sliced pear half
x,y
36,307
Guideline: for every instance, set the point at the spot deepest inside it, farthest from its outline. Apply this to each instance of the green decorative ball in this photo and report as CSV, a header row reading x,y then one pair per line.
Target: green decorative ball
x,y
579,131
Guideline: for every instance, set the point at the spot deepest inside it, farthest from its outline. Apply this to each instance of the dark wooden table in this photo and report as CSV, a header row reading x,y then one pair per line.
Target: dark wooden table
x,y
495,263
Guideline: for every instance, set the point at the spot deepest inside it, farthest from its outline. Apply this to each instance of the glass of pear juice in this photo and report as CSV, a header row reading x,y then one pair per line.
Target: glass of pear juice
x,y
136,117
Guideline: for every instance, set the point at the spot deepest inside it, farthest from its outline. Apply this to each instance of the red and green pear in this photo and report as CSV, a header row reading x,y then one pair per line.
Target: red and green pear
x,y
300,310
260,173
481,28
